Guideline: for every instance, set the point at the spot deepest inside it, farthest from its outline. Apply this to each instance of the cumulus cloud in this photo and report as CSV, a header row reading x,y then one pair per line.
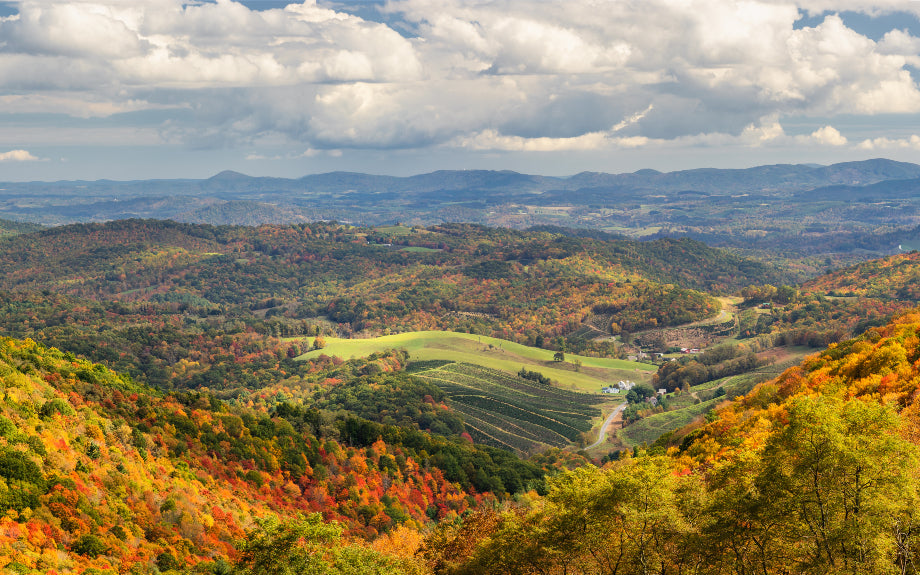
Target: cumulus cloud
x,y
885,143
157,43
525,75
17,156
829,136
769,130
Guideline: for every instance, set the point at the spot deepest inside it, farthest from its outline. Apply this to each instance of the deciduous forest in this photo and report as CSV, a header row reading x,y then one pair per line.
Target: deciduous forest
x,y
169,404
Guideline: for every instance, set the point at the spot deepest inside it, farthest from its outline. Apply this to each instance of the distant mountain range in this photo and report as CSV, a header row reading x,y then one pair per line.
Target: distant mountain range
x,y
782,178
762,207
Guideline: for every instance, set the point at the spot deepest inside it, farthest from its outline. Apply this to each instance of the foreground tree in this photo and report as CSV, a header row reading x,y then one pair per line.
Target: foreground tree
x,y
308,546
633,519
831,492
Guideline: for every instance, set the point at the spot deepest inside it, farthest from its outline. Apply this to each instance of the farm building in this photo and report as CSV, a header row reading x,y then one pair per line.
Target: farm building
x,y
618,387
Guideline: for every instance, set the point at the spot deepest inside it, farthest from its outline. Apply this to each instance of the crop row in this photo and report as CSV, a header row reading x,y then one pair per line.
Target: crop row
x,y
512,390
514,414
454,390
488,434
515,427
496,377
425,365
530,404
447,377
499,435
507,411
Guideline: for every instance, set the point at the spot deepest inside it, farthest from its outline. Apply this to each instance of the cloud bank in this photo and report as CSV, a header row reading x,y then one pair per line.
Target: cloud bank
x,y
504,75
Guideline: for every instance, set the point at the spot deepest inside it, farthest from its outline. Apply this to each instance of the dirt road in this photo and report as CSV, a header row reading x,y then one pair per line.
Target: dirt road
x,y
602,434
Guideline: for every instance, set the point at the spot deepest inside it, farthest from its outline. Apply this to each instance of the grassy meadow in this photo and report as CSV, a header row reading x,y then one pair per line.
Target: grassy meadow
x,y
493,353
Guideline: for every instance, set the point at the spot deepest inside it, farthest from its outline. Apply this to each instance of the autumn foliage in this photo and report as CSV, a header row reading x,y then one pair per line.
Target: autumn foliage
x,y
814,472
97,472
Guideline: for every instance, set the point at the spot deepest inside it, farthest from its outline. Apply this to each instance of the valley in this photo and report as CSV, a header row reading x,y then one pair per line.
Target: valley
x,y
390,381
491,287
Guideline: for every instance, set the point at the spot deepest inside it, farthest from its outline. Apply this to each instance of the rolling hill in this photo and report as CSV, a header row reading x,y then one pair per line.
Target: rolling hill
x,y
847,209
99,474
825,452
492,353
893,278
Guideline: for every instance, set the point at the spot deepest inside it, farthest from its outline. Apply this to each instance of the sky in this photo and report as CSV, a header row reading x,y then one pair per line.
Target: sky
x,y
137,89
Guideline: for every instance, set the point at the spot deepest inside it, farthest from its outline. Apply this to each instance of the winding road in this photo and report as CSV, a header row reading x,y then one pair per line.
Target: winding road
x,y
602,435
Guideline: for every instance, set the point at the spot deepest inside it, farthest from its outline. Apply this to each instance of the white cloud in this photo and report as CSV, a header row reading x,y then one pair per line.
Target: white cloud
x,y
768,130
899,42
526,75
158,43
884,143
635,118
492,140
17,156
828,136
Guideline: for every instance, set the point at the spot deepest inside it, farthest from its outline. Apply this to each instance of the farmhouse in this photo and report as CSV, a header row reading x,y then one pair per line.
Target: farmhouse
x,y
618,387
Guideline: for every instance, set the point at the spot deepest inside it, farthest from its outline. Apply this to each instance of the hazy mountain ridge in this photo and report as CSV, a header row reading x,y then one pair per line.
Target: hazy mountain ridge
x,y
788,177
763,208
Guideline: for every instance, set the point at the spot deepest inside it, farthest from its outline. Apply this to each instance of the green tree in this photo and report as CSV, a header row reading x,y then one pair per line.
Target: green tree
x,y
307,546
831,493
634,518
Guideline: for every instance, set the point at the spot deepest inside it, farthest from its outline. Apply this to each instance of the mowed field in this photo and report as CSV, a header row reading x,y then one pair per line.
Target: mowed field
x,y
593,374
479,374
508,411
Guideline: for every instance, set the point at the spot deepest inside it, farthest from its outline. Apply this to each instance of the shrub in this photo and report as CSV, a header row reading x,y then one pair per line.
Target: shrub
x,y
56,405
89,545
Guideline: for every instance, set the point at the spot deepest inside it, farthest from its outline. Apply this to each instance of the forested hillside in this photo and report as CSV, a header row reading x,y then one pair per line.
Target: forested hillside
x,y
12,228
211,442
143,295
833,306
813,472
98,472
893,278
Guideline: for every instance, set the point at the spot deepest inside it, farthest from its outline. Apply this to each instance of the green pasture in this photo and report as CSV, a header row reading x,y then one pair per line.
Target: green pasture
x,y
649,429
419,249
492,353
394,230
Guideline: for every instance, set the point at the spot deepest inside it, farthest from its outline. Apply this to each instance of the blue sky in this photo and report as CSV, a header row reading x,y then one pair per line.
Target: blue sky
x,y
162,88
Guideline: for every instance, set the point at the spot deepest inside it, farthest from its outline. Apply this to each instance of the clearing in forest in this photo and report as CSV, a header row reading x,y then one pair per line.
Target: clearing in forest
x,y
590,376
508,411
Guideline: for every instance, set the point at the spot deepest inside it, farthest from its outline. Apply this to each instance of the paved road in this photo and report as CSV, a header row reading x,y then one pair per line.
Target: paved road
x,y
602,435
